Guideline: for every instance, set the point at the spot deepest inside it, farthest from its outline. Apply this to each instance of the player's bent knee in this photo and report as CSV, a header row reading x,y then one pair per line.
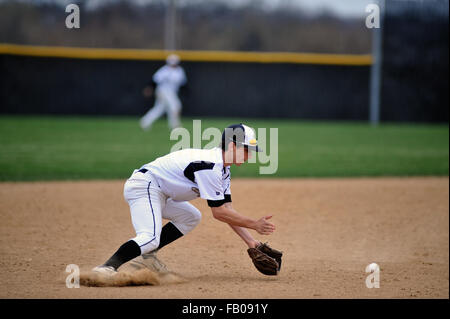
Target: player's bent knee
x,y
147,242
189,222
196,217
148,248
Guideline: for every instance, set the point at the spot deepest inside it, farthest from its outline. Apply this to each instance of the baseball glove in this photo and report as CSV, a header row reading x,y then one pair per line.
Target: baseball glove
x,y
263,262
275,254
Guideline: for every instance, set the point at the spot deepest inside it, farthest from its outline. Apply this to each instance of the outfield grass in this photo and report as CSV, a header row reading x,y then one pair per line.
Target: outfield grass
x,y
55,148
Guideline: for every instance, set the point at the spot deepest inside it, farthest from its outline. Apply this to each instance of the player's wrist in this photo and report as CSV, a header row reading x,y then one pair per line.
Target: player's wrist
x,y
253,224
253,244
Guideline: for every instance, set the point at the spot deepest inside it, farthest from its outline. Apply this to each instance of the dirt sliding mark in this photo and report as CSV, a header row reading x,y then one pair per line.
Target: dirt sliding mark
x,y
141,277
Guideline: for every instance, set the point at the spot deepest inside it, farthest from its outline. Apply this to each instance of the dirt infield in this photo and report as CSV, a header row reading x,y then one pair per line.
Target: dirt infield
x,y
329,230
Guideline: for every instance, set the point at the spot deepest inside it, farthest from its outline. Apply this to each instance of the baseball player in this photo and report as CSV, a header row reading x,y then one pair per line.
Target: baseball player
x,y
168,80
163,189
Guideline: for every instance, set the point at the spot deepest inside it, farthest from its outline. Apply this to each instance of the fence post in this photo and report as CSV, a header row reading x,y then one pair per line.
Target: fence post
x,y
375,73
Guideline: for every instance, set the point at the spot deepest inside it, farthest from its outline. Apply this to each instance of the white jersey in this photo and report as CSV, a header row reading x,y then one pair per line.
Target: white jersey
x,y
170,78
190,173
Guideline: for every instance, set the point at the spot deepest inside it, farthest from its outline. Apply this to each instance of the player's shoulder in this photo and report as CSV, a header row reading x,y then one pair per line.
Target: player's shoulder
x,y
163,69
206,163
195,154
213,156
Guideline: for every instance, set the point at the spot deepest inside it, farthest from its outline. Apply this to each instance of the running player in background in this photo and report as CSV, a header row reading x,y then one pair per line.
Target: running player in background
x,y
168,80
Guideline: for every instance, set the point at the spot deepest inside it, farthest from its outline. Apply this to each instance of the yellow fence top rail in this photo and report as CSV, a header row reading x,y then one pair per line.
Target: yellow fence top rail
x,y
197,56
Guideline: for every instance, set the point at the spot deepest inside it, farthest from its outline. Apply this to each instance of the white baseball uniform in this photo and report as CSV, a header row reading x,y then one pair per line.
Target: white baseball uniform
x,y
168,80
162,189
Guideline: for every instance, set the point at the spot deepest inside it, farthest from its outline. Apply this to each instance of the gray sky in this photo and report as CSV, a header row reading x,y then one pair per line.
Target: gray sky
x,y
340,7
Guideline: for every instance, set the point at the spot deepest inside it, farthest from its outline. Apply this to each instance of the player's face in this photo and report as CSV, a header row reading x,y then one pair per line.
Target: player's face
x,y
242,154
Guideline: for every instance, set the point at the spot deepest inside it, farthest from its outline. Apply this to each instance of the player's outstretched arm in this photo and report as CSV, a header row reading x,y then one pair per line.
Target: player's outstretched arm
x,y
243,233
265,259
245,236
227,214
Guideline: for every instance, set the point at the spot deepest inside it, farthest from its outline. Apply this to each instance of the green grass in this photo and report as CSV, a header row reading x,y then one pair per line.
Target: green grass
x,y
55,148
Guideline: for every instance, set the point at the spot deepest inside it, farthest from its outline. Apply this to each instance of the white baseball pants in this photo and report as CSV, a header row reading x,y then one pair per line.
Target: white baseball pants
x,y
149,205
166,101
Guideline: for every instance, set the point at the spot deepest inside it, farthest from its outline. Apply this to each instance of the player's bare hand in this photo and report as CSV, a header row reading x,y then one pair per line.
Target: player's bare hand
x,y
264,227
